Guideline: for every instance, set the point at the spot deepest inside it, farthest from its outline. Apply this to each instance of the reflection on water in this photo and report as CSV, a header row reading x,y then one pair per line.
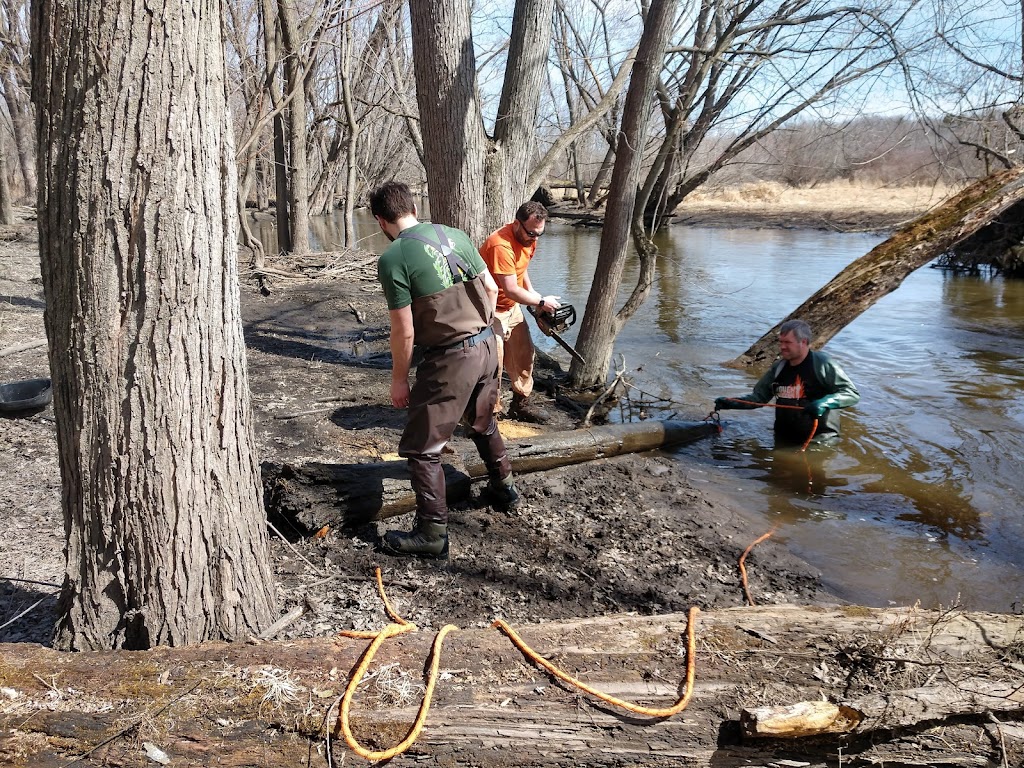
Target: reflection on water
x,y
920,501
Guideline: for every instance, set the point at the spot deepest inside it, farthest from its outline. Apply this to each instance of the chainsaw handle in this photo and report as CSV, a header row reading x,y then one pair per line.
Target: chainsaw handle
x,y
568,314
540,317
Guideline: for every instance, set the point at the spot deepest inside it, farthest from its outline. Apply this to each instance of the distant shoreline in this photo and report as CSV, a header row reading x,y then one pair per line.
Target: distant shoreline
x,y
837,207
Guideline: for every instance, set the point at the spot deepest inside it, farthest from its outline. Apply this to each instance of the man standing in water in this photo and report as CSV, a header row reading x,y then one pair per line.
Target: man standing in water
x,y
507,253
441,298
811,383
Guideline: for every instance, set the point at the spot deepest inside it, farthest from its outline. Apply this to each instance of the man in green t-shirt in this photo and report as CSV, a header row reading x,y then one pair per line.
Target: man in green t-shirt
x,y
441,299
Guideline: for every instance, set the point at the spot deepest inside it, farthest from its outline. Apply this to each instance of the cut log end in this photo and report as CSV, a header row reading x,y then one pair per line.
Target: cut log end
x,y
805,718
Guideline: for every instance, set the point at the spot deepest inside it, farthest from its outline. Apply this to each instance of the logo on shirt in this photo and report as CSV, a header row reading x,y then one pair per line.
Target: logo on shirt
x,y
794,391
444,274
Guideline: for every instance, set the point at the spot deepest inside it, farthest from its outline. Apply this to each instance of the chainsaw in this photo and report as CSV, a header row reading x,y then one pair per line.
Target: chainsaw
x,y
557,321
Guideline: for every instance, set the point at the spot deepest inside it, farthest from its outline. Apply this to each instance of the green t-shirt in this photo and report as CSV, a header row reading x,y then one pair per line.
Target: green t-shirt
x,y
410,268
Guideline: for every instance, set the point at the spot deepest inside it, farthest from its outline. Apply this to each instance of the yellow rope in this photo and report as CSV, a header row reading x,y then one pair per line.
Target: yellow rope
x,y
401,626
676,708
398,627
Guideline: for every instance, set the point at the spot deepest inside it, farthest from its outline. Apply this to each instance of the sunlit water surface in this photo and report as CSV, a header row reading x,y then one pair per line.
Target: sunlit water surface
x,y
921,500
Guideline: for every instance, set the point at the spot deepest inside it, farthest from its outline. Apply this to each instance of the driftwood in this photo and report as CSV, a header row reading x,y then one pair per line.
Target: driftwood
x,y
315,494
883,270
275,703
903,708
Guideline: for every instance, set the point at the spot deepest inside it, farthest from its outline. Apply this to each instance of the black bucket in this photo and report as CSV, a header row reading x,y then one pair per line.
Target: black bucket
x,y
25,395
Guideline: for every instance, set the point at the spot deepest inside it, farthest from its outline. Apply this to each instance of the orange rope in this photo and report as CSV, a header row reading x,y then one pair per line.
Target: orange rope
x,y
743,569
814,427
398,627
676,708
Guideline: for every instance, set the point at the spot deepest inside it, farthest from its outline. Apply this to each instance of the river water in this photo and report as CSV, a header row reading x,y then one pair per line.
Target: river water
x,y
921,501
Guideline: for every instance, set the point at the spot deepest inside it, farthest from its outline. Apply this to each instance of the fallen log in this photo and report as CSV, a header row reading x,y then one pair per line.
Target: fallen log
x,y
275,703
885,267
315,494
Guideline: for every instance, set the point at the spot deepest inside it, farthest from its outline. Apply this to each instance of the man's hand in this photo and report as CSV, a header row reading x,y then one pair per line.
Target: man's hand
x,y
400,393
816,409
551,303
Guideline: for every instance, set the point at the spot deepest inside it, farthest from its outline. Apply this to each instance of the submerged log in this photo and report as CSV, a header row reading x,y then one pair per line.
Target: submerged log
x,y
885,267
248,704
313,495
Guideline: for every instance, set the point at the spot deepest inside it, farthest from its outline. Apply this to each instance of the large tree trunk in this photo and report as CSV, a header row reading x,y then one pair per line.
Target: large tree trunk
x,y
295,92
600,323
511,153
475,182
884,269
166,535
450,117
205,705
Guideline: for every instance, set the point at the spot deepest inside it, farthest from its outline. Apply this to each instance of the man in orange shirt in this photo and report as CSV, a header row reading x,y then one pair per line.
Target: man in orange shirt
x,y
507,253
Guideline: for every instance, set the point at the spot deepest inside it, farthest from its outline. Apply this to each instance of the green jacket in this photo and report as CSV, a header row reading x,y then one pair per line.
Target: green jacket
x,y
836,389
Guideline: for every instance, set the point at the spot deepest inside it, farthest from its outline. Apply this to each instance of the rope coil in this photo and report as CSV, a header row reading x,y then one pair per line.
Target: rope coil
x,y
399,626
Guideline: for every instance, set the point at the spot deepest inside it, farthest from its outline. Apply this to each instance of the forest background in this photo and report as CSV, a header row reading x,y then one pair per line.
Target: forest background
x,y
917,92
141,120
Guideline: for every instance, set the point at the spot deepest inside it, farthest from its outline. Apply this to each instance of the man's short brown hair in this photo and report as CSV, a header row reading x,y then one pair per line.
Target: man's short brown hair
x,y
532,208
391,201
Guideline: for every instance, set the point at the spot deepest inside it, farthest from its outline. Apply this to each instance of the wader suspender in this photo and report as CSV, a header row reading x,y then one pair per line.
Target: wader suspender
x,y
456,265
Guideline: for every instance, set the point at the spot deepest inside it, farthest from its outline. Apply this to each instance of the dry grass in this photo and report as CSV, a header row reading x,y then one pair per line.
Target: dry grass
x,y
824,198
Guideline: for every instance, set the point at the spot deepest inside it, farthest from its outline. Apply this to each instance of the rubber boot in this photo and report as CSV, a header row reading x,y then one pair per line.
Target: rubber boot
x,y
503,496
426,539
522,409
501,491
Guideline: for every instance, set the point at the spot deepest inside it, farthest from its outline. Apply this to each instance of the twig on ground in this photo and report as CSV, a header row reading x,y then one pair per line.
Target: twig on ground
x,y
284,621
22,347
49,685
359,315
28,610
31,581
138,721
296,414
291,546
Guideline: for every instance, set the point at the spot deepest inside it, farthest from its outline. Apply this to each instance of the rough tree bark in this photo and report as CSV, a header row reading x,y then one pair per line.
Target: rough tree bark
x,y
886,266
510,153
298,165
166,536
450,117
6,209
601,324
